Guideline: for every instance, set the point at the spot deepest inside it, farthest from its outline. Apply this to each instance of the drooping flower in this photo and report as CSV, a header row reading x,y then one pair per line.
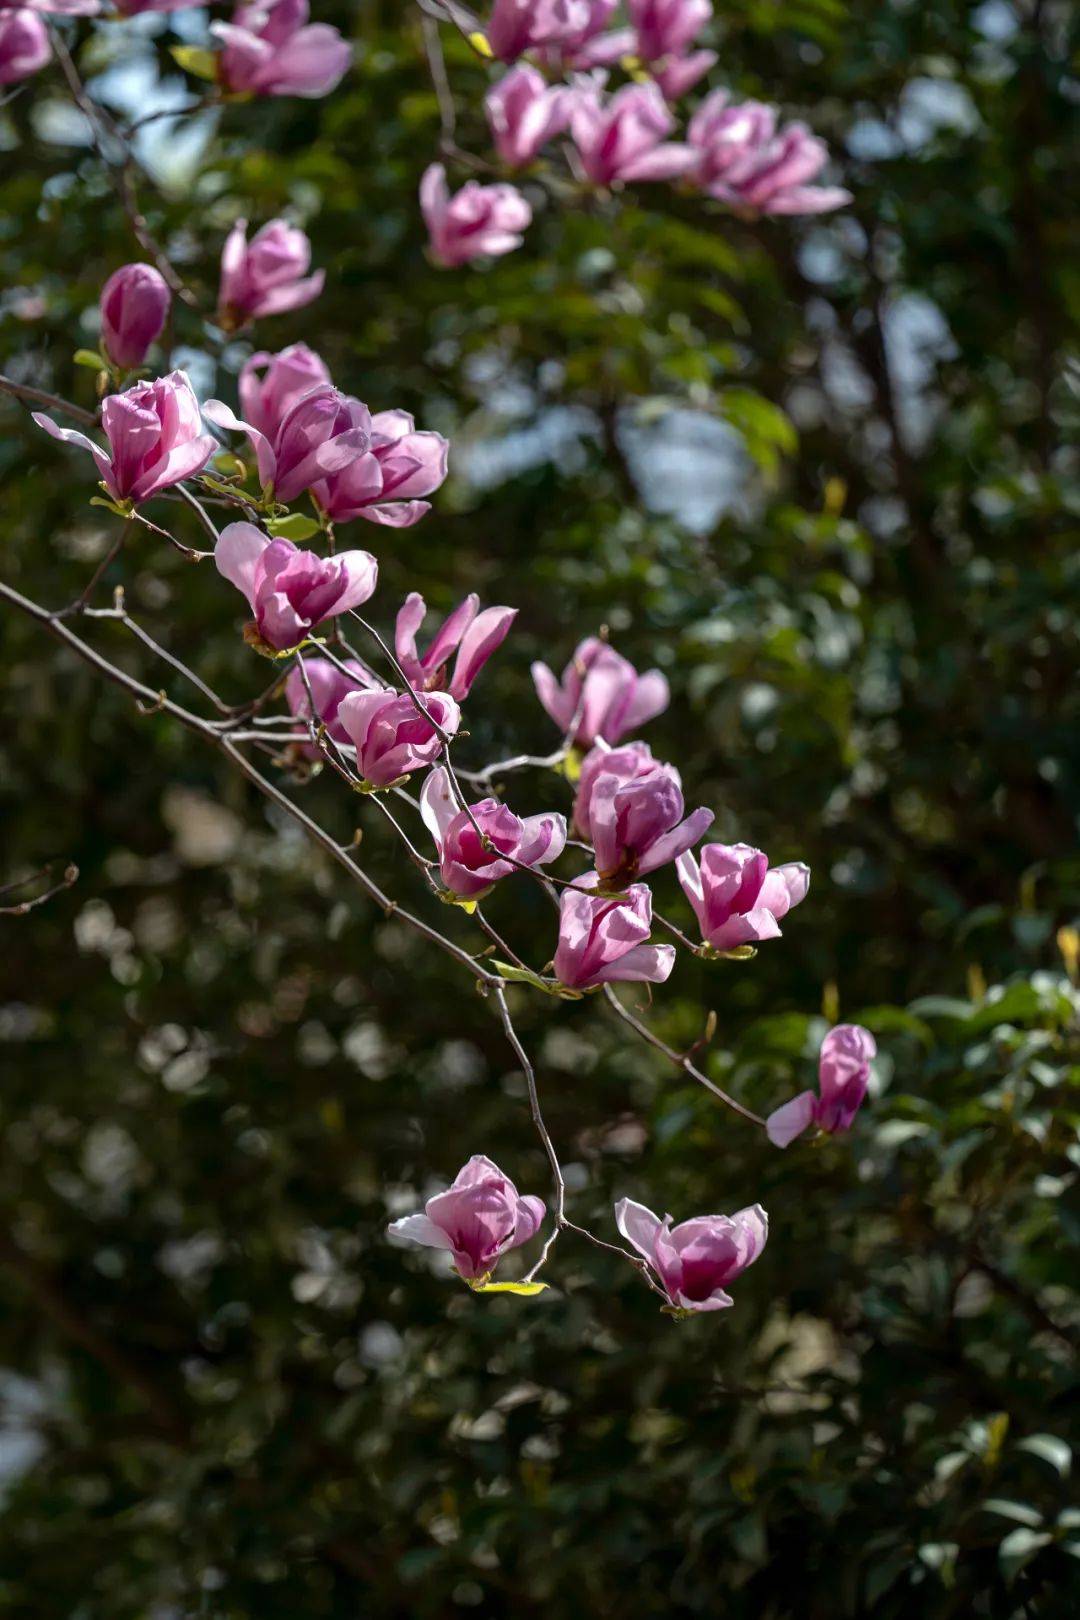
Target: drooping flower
x,y
477,1219
476,222
24,45
135,304
623,138
737,898
321,432
155,438
843,1077
466,867
389,734
471,634
270,49
329,684
384,485
524,113
265,276
630,808
516,26
744,159
695,1261
602,941
291,591
271,383
600,694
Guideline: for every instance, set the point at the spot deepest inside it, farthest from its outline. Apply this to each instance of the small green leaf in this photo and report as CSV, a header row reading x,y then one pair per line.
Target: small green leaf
x,y
194,59
1019,1512
1019,1548
295,526
1050,1449
526,1290
89,358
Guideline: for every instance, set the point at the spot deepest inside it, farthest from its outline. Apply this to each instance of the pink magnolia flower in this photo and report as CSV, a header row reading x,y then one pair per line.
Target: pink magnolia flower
x,y
623,138
271,383
737,898
321,432
390,737
696,1260
271,50
135,304
468,869
524,113
630,807
265,276
382,485
600,694
666,27
479,221
744,160
291,591
472,635
602,941
329,685
516,26
477,1219
587,45
155,438
24,45
843,1076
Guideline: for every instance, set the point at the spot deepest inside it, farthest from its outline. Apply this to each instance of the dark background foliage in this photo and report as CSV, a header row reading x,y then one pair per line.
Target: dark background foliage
x,y
818,471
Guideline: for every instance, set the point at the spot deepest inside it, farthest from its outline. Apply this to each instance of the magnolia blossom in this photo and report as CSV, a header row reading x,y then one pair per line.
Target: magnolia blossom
x,y
267,275
524,112
695,1261
602,941
667,27
271,50
328,684
516,26
135,303
664,31
630,807
64,8
600,694
623,138
477,222
744,159
843,1076
270,384
472,635
587,45
383,485
155,438
737,898
24,45
389,734
477,1219
290,590
466,867
318,434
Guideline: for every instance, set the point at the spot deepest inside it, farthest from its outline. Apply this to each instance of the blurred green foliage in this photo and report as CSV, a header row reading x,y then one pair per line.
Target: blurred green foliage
x,y
222,1393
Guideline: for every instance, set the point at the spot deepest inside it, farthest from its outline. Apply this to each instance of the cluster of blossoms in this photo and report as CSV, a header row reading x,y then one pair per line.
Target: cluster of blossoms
x,y
740,155
307,437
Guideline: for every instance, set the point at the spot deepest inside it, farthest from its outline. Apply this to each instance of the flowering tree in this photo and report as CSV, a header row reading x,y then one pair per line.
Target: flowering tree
x,y
315,284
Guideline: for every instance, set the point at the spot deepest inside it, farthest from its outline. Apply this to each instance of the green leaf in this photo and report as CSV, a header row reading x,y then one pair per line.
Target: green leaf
x,y
89,358
1019,1512
526,1290
1019,1548
194,59
294,526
